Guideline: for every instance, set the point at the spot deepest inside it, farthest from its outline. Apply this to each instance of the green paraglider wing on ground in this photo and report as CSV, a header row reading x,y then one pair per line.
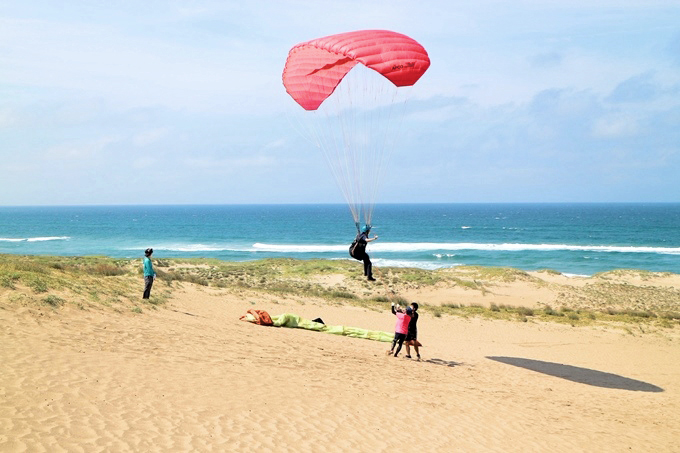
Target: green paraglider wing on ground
x,y
295,321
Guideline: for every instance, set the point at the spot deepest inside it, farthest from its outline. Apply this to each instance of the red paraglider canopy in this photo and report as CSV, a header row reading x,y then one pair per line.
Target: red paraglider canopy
x,y
315,68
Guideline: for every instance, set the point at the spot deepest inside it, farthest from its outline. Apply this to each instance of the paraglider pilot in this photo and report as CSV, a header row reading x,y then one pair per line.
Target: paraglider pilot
x,y
358,251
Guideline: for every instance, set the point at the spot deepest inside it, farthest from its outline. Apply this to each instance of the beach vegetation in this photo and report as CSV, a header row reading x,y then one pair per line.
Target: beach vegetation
x,y
29,265
53,300
417,276
198,280
549,311
8,279
380,298
468,284
38,285
106,269
625,273
671,316
342,295
502,274
525,311
115,284
550,272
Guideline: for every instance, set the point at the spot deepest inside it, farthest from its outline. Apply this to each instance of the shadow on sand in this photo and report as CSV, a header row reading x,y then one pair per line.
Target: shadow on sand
x,y
442,362
580,375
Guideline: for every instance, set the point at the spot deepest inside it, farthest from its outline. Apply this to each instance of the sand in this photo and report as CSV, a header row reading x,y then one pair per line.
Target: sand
x,y
190,376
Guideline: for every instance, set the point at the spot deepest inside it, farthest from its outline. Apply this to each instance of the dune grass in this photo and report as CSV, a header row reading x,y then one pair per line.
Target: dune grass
x,y
117,283
563,315
81,281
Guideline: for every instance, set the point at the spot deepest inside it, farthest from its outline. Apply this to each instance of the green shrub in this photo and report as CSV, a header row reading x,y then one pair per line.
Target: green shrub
x,y
398,300
342,295
640,314
53,300
38,285
525,311
671,315
106,270
195,279
30,266
7,280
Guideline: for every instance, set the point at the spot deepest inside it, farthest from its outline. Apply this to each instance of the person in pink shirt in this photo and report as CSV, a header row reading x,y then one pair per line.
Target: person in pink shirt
x,y
401,328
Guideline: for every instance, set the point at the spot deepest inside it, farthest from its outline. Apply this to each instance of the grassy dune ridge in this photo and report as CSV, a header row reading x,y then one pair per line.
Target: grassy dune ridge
x,y
617,297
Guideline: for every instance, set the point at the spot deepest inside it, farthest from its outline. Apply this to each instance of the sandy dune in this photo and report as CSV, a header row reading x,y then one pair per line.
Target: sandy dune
x,y
190,376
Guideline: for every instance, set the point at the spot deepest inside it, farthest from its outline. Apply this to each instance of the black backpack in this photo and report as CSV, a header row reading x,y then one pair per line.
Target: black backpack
x,y
355,249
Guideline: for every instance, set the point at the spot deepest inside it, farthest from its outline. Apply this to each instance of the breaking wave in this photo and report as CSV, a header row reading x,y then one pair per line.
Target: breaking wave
x,y
435,246
36,239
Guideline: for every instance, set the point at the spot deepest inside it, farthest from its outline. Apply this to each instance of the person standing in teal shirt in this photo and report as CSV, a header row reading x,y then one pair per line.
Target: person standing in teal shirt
x,y
149,274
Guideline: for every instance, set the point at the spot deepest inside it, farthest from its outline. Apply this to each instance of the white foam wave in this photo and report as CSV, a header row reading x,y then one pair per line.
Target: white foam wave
x,y
439,249
404,247
438,246
49,238
36,239
294,248
199,248
380,262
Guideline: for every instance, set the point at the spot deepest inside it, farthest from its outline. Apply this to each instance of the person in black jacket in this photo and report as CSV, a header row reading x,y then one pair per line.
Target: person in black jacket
x,y
358,251
412,335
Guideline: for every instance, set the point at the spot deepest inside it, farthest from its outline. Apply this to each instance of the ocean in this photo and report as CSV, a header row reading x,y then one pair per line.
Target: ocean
x,y
575,239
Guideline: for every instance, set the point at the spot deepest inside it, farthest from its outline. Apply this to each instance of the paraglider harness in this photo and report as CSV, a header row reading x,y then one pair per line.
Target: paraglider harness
x,y
357,249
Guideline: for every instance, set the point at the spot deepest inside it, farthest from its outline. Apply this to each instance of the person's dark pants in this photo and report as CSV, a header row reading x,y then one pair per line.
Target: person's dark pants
x,y
368,266
398,338
148,283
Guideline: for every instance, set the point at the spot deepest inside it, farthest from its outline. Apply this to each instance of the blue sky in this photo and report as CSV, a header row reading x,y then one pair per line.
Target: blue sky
x,y
163,102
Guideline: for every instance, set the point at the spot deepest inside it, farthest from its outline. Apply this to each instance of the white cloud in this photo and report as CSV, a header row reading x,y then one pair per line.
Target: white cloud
x,y
149,136
141,163
275,144
80,150
617,125
514,88
6,117
232,164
